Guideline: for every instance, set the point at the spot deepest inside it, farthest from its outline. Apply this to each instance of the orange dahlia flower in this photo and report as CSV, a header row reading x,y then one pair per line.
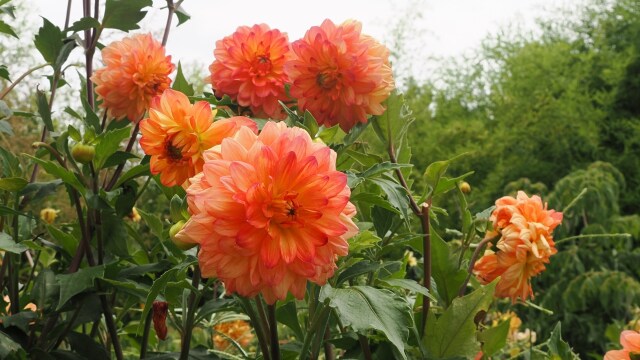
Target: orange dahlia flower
x,y
136,70
238,330
340,75
630,341
525,228
269,212
249,67
176,134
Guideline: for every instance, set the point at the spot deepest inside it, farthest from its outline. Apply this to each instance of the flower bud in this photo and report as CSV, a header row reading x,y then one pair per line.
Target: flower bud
x,y
173,232
160,309
134,215
49,215
465,187
83,153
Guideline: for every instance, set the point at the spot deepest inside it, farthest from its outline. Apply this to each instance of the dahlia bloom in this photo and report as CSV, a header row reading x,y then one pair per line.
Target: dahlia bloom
x,y
340,75
136,70
630,341
525,228
177,133
269,212
249,67
238,330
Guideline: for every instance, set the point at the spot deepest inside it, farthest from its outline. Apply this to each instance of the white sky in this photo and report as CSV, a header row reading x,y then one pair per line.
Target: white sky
x,y
447,27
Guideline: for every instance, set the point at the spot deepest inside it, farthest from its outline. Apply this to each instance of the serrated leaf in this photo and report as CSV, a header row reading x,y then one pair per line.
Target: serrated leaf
x,y
4,73
453,333
49,41
124,14
444,270
58,171
7,244
494,338
408,284
558,348
108,144
181,84
84,24
73,284
182,15
154,223
13,184
382,168
374,199
367,308
357,269
396,195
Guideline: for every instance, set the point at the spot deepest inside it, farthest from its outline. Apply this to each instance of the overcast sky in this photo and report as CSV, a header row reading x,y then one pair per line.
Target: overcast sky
x,y
447,27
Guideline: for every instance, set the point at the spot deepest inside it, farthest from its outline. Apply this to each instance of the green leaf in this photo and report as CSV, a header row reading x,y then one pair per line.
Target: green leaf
x,y
214,306
158,287
182,15
5,112
115,234
357,269
84,24
408,284
154,223
396,194
124,14
13,184
7,244
49,41
494,338
117,158
453,333
6,29
558,348
374,199
108,144
73,284
367,308
10,349
43,110
41,189
56,170
4,73
65,240
311,124
382,220
393,124
134,172
444,270
181,84
436,170
382,168
287,314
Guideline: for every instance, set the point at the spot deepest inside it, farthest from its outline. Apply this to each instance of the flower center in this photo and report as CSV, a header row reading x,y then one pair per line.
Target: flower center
x,y
262,64
174,153
327,80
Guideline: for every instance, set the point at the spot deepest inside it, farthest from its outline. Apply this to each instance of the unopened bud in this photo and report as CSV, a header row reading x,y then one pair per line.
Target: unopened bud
x,y
465,187
173,234
160,309
83,153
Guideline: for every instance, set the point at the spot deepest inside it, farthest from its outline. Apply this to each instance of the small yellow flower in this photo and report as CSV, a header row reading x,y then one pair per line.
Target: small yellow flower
x,y
411,260
49,215
134,215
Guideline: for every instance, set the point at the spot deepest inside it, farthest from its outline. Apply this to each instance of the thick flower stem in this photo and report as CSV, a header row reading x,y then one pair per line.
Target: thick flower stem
x,y
191,313
145,336
273,330
472,263
116,174
426,256
257,325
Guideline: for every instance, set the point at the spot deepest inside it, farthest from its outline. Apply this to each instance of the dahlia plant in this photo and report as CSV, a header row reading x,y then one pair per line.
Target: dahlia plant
x,y
272,216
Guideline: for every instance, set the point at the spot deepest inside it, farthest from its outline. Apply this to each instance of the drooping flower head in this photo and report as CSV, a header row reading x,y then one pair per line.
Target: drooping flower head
x,y
249,67
339,74
177,133
524,226
238,330
136,69
49,215
269,212
630,341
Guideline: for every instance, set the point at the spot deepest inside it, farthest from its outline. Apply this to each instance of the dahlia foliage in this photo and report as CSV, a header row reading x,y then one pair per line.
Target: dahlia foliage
x,y
274,213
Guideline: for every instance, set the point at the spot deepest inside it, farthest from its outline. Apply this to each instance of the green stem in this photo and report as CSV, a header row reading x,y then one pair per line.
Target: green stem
x,y
315,324
588,236
257,325
145,336
273,329
18,80
194,298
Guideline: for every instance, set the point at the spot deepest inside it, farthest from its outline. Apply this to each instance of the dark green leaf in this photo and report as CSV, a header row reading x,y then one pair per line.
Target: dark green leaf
x,y
408,284
124,14
6,29
86,347
73,284
181,84
367,308
134,172
182,15
374,199
108,144
43,110
382,168
359,268
453,334
311,124
65,240
494,339
214,306
6,128
396,194
10,349
382,220
287,314
60,172
115,234
41,189
20,320
444,270
4,73
154,223
558,348
84,24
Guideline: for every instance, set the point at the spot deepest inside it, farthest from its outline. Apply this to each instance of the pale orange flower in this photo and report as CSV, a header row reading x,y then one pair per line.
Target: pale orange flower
x,y
269,212
340,75
238,330
249,67
525,228
176,134
136,69
630,341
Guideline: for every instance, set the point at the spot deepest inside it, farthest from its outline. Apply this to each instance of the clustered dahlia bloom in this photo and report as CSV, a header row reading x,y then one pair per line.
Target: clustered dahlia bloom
x,y
238,330
339,74
630,341
136,70
249,67
525,228
269,211
177,133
